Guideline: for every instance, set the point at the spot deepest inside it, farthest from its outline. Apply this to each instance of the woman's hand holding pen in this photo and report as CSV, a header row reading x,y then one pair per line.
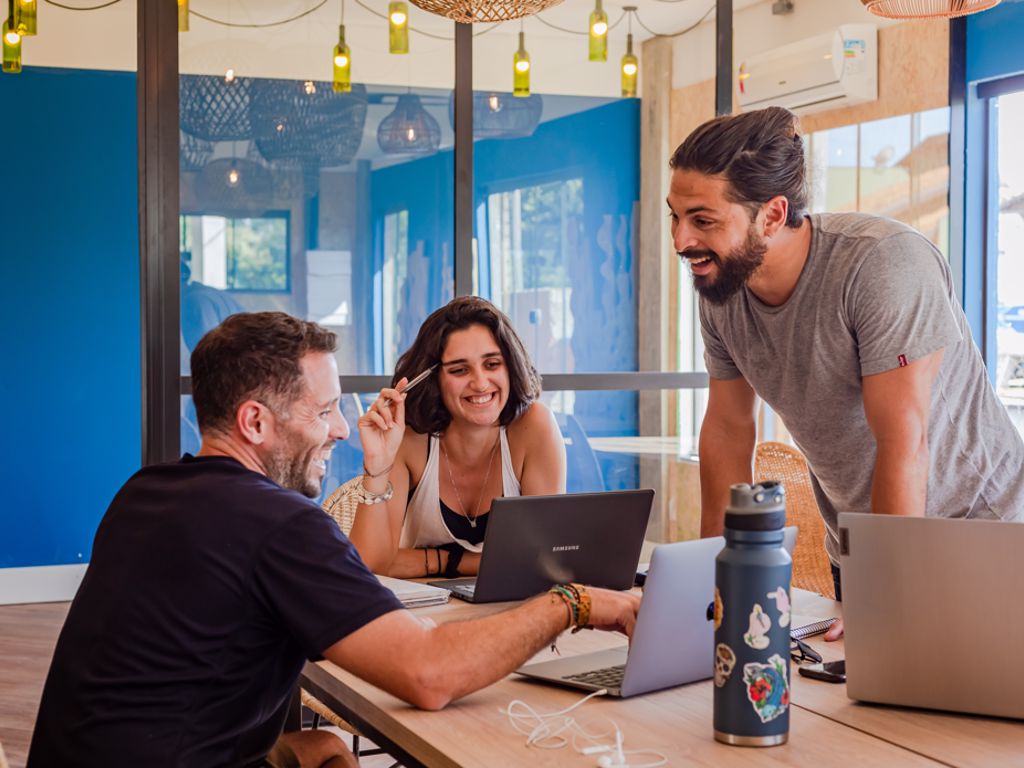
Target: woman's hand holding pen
x,y
381,430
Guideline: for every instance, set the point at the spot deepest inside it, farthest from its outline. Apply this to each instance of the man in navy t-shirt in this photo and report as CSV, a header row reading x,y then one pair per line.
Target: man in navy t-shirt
x,y
214,578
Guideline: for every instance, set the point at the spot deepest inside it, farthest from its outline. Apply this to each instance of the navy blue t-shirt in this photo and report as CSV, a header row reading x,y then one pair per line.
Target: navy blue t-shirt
x,y
209,587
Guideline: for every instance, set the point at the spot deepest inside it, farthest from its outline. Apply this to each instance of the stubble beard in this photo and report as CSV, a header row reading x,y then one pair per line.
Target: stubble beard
x,y
291,465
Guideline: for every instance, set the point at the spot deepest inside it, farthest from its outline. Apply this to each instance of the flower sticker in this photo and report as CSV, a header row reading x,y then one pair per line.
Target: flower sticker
x,y
719,609
767,687
781,598
757,633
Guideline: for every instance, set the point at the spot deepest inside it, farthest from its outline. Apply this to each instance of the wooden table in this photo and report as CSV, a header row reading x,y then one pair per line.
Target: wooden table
x,y
826,728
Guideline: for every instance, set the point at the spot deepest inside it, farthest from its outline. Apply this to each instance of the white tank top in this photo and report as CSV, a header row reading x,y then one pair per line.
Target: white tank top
x,y
424,526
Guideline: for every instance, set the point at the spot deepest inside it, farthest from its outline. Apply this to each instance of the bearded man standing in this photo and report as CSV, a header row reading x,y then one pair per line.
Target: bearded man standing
x,y
847,325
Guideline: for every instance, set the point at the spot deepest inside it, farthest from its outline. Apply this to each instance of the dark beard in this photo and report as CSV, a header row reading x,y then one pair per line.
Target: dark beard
x,y
733,271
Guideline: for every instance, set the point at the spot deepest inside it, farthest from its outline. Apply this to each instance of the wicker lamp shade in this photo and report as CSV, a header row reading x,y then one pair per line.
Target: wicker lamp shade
x,y
307,122
502,115
409,129
214,108
469,11
230,185
925,9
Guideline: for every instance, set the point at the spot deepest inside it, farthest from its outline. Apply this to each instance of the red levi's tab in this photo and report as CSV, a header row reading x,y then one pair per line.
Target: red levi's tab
x,y
903,361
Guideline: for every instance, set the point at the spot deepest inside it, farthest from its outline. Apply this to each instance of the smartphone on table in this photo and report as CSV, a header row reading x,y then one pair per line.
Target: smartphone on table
x,y
829,671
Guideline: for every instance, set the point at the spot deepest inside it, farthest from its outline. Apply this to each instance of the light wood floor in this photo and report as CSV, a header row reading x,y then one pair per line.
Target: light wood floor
x,y
28,635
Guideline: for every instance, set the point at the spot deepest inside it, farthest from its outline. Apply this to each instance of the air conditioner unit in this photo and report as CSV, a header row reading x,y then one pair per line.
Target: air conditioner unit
x,y
836,69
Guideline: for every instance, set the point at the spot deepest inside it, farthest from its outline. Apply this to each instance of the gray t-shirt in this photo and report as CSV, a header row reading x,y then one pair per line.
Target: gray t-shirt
x,y
874,295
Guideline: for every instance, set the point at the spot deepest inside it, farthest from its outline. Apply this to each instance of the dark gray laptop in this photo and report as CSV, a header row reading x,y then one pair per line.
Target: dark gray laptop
x,y
932,616
674,638
533,542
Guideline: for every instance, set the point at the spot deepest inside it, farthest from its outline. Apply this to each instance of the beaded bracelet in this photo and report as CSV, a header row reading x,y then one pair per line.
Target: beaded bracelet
x,y
578,600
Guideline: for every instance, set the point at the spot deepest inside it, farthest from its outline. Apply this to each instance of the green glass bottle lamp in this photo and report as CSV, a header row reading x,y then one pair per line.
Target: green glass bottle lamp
x,y
25,17
342,64
630,67
598,34
11,49
398,27
521,69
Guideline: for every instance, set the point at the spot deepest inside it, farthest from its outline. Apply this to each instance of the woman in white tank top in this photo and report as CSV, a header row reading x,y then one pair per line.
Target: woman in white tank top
x,y
475,432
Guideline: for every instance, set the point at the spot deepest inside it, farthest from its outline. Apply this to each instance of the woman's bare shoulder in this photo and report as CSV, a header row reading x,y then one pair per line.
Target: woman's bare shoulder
x,y
413,454
536,423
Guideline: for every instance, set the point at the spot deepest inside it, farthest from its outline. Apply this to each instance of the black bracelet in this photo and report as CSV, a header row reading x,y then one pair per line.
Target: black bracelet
x,y
455,553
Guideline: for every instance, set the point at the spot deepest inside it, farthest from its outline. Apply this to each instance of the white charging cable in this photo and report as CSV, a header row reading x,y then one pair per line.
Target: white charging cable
x,y
553,730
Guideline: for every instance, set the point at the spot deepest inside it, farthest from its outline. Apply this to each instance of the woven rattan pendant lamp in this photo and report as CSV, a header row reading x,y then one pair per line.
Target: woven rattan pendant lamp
x,y
926,9
469,11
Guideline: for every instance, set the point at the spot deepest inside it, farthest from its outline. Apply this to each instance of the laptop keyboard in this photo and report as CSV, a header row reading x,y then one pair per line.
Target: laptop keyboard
x,y
609,677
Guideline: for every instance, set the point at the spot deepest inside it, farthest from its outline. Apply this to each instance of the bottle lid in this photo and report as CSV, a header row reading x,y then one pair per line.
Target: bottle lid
x,y
760,507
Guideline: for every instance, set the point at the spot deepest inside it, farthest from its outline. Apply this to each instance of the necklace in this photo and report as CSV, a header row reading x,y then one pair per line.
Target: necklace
x,y
483,488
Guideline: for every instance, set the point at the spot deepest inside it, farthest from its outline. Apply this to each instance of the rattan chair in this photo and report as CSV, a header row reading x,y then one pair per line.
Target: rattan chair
x,y
811,567
341,506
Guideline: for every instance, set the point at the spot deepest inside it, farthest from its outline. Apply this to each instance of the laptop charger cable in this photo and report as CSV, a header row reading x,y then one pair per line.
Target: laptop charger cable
x,y
554,730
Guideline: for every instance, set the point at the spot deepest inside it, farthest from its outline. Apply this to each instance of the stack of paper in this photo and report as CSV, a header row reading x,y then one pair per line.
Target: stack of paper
x,y
413,594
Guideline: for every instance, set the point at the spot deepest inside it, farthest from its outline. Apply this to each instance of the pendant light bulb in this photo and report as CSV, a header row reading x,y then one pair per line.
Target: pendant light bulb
x,y
183,15
11,49
229,76
598,33
25,17
630,67
398,27
342,64
521,69
233,177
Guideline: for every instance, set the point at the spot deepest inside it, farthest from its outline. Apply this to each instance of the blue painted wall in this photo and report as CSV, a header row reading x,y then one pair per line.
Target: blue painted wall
x,y
994,41
993,51
69,308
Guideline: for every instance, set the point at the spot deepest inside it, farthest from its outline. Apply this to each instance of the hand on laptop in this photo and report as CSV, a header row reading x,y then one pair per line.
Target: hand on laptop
x,y
835,631
613,611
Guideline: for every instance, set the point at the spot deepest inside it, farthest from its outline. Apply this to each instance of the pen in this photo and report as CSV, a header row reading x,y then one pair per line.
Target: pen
x,y
416,380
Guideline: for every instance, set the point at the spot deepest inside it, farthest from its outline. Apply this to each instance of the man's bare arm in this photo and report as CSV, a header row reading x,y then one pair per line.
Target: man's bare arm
x,y
726,448
430,666
896,404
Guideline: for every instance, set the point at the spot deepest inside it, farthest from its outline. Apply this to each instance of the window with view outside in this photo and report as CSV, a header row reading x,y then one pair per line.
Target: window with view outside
x,y
244,254
1009,372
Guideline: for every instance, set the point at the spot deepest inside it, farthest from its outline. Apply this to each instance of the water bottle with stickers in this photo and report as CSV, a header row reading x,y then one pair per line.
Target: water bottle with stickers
x,y
752,619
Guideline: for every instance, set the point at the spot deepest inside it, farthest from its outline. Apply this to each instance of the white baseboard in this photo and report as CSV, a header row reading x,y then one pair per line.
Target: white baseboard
x,y
41,584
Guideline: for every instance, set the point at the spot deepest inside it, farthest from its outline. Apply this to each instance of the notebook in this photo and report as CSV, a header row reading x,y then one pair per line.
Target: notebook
x,y
931,610
533,542
674,638
412,594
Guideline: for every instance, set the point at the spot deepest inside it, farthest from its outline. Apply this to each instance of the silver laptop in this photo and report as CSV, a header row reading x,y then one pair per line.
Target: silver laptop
x,y
674,638
932,612
533,542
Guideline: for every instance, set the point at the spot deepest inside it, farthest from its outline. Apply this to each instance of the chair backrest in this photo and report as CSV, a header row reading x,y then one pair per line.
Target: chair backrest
x,y
582,471
811,566
341,505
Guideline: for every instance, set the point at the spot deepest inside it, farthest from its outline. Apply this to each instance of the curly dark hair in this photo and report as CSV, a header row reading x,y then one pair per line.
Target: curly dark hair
x,y
760,154
252,356
424,410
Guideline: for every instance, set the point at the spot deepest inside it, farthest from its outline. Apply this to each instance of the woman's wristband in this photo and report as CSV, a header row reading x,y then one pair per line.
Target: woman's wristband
x,y
455,553
367,472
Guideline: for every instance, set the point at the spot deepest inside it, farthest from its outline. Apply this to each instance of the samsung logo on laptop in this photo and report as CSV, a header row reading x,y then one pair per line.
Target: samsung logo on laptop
x,y
566,548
